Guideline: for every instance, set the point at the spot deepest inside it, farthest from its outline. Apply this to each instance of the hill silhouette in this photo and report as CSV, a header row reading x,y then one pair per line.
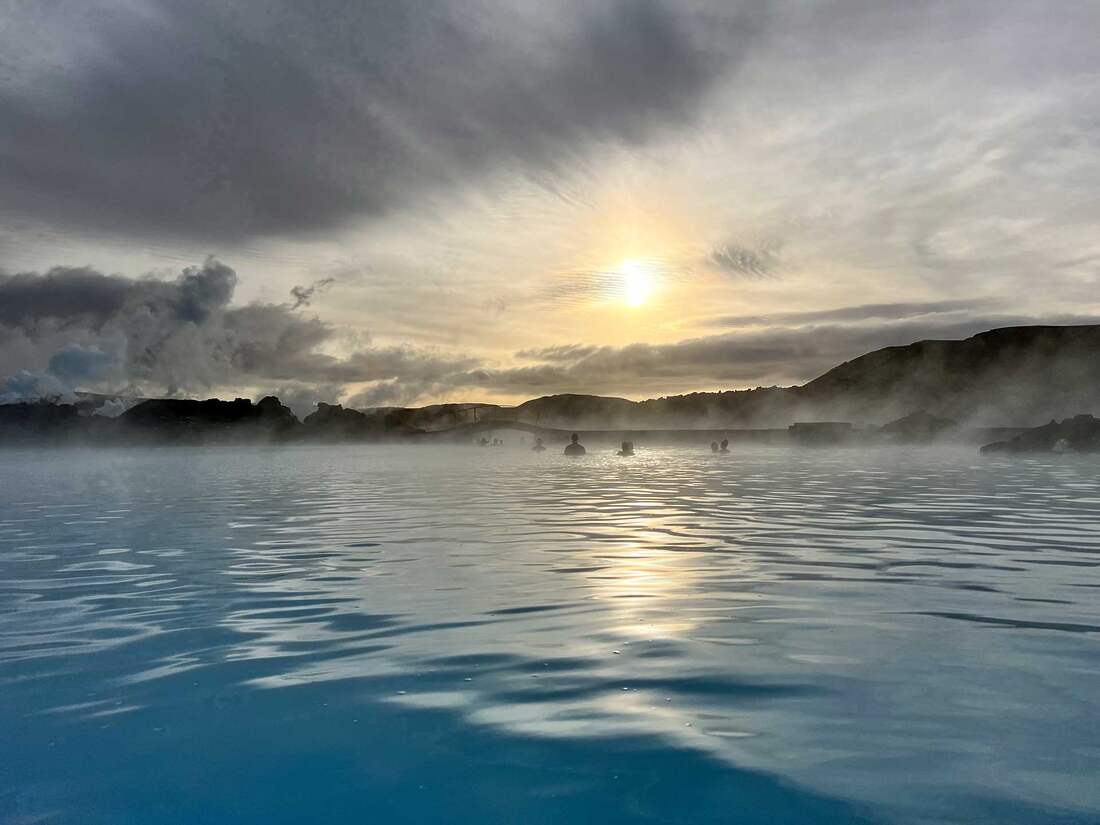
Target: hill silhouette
x,y
1013,376
1010,377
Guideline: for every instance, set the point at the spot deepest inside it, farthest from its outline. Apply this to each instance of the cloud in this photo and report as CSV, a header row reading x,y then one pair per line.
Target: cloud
x,y
76,362
303,295
226,120
201,291
169,334
564,352
85,329
26,385
76,295
388,394
84,296
741,260
72,365
861,312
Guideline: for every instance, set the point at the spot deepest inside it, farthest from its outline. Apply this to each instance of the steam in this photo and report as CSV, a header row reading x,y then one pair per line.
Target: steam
x,y
70,367
34,386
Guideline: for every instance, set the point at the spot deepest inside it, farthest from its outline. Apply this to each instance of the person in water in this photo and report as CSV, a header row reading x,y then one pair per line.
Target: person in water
x,y
538,448
627,448
574,447
725,445
714,446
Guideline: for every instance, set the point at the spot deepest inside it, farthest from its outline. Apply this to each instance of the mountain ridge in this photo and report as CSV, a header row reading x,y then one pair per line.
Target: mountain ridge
x,y
1008,376
1004,377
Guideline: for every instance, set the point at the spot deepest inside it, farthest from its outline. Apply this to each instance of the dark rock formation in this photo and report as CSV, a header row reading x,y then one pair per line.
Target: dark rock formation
x,y
275,414
31,423
1012,376
178,419
332,422
1078,434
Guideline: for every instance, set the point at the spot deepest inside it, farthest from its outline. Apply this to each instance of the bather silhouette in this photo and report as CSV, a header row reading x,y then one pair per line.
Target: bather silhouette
x,y
714,446
627,448
725,445
574,447
538,448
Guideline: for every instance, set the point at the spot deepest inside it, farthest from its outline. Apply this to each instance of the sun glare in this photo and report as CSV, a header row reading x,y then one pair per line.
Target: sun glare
x,y
637,281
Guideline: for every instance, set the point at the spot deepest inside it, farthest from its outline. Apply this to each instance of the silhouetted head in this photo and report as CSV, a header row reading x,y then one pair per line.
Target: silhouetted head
x,y
714,446
725,443
574,438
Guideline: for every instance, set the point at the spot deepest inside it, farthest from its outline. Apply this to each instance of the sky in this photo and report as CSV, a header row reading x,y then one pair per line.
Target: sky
x,y
388,203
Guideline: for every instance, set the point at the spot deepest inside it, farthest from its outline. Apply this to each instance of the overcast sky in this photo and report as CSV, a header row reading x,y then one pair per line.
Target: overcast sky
x,y
390,203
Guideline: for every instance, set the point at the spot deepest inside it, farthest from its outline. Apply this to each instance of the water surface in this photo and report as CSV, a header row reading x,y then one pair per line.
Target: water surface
x,y
400,634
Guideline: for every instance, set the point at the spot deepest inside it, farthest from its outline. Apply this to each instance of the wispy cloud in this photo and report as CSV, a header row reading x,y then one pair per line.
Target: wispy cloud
x,y
862,312
744,261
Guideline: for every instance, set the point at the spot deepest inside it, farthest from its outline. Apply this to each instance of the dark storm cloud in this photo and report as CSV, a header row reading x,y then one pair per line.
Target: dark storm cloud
x,y
230,119
201,291
65,294
81,295
78,328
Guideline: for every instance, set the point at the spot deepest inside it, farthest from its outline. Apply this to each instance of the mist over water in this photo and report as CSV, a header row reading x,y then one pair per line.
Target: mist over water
x,y
402,634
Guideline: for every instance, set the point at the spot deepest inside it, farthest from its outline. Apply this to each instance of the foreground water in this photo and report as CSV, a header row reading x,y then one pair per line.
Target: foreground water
x,y
494,636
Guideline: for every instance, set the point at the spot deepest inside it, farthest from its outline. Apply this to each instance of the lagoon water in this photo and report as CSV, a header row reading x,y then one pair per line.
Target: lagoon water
x,y
464,635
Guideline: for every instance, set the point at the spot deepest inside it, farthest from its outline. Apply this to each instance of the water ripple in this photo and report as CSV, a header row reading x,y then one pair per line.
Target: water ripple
x,y
904,635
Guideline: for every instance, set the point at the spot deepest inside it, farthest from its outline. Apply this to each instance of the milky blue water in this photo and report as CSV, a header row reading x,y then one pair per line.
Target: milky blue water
x,y
368,634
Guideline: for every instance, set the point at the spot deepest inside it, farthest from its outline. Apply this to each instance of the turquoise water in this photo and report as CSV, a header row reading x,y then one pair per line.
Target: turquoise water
x,y
366,634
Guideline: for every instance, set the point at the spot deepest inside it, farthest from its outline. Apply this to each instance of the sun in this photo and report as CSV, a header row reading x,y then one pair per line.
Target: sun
x,y
637,280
